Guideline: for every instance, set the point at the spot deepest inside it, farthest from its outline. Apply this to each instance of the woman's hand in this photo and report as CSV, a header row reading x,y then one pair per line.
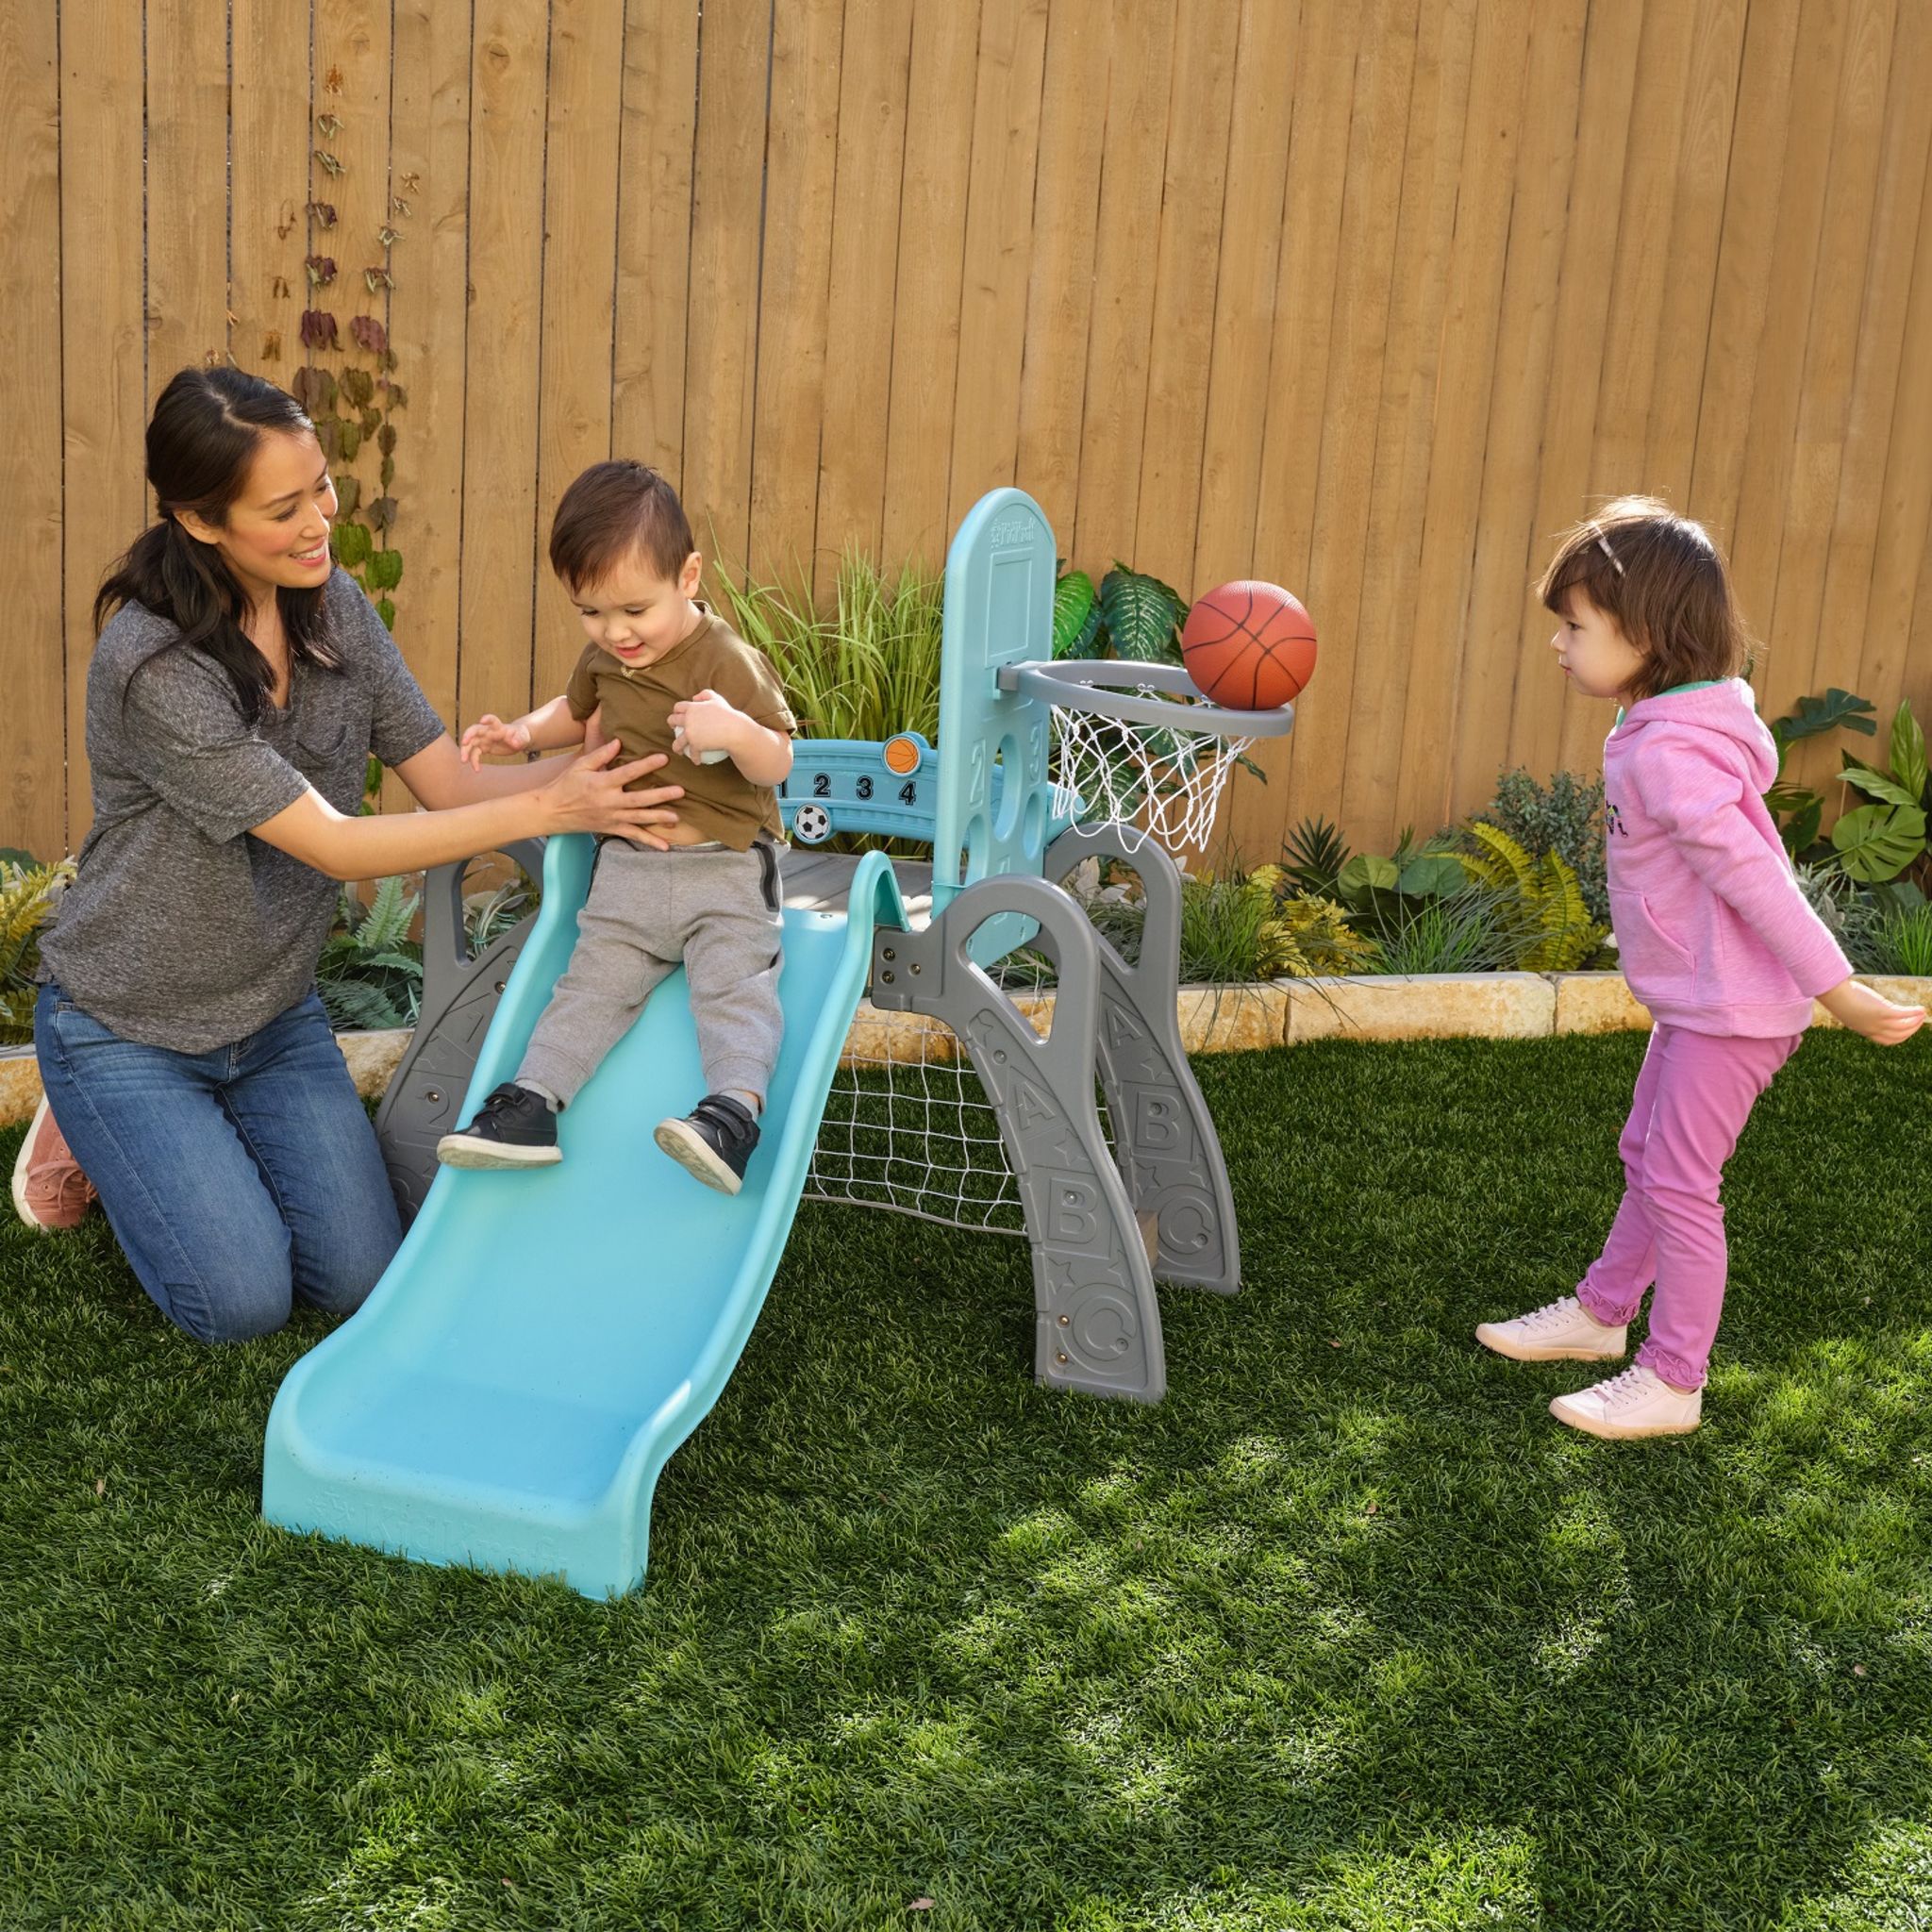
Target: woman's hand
x,y
490,733
588,796
1883,1022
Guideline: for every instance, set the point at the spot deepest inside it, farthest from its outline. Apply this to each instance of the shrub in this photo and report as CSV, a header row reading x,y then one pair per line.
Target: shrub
x,y
1566,817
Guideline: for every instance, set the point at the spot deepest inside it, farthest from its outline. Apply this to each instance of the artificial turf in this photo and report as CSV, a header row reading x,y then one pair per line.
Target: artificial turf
x,y
1346,1632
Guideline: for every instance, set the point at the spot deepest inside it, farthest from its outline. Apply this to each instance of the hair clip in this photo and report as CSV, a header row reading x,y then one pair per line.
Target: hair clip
x,y
1603,544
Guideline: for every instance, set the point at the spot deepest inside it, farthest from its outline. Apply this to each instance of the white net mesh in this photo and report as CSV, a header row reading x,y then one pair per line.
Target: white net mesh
x,y
1156,781
908,1127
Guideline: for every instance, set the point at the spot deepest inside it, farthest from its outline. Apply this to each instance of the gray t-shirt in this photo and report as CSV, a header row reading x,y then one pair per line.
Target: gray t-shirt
x,y
181,930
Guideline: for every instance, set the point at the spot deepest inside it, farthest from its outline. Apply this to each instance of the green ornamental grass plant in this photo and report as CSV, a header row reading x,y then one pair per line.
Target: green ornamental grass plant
x,y
866,669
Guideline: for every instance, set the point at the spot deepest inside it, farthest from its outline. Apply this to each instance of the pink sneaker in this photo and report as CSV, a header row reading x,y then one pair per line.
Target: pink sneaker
x,y
1634,1404
1561,1331
50,1192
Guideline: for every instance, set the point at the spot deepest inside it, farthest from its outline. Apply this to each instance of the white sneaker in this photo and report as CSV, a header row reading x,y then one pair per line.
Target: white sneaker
x,y
1637,1403
1564,1331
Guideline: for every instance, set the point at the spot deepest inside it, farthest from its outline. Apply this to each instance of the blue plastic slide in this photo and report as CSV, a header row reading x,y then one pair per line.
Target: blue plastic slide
x,y
545,1339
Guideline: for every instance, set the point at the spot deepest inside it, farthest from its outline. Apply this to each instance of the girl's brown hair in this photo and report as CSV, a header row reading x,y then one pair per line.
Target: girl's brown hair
x,y
1660,579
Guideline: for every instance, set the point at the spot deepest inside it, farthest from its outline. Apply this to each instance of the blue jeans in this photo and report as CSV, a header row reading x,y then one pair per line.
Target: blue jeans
x,y
236,1181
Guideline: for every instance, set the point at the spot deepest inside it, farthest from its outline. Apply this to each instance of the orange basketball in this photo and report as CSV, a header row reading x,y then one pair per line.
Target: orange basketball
x,y
1249,646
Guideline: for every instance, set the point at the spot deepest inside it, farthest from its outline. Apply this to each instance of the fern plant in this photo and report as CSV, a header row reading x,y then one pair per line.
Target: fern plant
x,y
371,972
28,893
1308,936
1558,932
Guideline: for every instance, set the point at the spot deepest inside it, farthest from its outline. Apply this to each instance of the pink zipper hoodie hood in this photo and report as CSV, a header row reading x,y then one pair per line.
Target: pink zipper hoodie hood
x,y
1712,932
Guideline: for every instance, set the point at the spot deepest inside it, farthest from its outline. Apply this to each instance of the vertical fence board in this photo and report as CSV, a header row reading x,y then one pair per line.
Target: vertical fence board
x,y
187,186
859,316
1695,232
999,244
1569,402
104,343
1830,352
577,379
931,256
727,238
500,363
1904,536
1776,394
269,182
1399,664
1059,303
428,312
1120,341
1431,742
1295,407
1638,276
1875,423
1184,261
801,156
1263,115
660,84
32,725
1371,204
1752,188
1499,663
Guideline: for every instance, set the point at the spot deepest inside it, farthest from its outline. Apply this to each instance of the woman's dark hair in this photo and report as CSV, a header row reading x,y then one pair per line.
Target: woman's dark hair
x,y
201,442
1661,580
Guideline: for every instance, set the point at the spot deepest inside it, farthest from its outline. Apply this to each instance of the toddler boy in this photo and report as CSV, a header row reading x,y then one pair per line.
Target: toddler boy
x,y
660,672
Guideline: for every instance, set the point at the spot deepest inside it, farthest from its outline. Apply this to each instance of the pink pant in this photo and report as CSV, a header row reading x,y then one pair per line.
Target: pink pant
x,y
1693,1096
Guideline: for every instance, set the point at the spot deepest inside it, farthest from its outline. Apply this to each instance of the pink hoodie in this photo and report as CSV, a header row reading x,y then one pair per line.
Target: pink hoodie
x,y
1712,932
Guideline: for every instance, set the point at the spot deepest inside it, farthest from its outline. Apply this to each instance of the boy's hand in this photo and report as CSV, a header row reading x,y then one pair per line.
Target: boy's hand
x,y
1882,1021
704,728
490,733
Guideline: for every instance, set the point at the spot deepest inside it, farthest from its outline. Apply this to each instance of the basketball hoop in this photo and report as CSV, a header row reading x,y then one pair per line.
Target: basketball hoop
x,y
1139,745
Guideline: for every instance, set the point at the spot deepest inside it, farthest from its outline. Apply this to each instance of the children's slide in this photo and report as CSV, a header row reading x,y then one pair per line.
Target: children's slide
x,y
545,1339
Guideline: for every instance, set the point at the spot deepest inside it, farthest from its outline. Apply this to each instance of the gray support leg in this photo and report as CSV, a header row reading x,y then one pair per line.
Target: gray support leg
x,y
459,995
1164,1139
1098,1324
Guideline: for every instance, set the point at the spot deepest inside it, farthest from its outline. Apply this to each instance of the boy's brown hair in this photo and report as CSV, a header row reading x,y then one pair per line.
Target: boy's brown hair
x,y
1660,579
612,512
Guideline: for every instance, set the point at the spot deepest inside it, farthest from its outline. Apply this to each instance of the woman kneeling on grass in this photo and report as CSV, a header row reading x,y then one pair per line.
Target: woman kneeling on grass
x,y
235,696
1715,939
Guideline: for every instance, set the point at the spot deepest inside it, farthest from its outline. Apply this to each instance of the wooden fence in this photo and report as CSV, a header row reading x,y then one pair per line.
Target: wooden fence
x,y
1365,296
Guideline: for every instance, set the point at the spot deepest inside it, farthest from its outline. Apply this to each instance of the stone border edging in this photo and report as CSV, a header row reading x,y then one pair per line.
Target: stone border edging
x,y
1213,1019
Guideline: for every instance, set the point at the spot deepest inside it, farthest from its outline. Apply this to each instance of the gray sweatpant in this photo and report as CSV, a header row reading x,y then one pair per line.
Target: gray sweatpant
x,y
715,909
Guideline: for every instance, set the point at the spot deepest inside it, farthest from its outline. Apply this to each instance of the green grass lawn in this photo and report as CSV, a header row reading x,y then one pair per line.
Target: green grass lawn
x,y
1346,1632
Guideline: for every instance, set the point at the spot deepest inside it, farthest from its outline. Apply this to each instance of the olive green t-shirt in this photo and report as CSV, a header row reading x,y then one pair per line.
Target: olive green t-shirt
x,y
719,801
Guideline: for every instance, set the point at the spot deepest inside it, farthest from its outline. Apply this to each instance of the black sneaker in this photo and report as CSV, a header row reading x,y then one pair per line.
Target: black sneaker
x,y
514,1127
714,1140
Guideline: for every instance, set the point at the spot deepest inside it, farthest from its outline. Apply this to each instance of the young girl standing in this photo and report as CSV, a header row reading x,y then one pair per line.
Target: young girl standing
x,y
1714,937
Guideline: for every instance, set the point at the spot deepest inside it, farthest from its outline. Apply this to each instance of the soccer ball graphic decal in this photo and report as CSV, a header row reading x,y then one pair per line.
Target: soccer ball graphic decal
x,y
814,825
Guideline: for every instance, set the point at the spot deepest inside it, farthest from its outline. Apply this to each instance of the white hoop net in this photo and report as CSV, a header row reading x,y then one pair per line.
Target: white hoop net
x,y
1156,781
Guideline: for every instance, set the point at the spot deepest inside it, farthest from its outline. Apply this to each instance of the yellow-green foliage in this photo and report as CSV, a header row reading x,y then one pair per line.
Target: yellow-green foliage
x,y
27,899
1558,933
1306,937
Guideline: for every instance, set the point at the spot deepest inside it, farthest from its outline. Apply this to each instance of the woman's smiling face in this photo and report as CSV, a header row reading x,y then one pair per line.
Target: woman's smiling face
x,y
277,532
